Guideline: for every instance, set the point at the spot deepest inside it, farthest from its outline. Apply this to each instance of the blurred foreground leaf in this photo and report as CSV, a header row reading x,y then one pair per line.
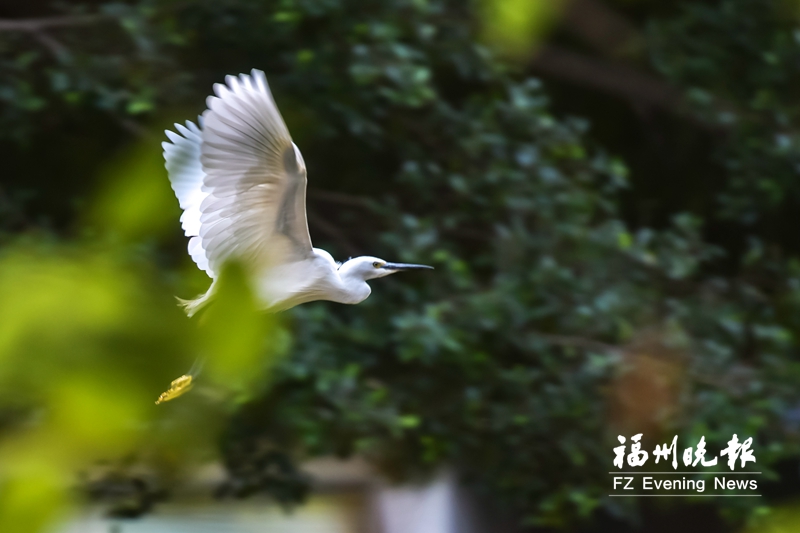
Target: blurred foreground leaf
x,y
238,341
516,28
88,339
135,201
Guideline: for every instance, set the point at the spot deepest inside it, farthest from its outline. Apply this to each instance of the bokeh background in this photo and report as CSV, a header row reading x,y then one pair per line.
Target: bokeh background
x,y
609,191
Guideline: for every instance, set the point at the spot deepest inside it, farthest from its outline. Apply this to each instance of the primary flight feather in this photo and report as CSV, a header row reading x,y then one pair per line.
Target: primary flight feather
x,y
241,183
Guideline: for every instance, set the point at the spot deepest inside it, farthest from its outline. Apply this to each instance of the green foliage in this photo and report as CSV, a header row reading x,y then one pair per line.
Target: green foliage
x,y
90,335
736,60
115,62
79,370
514,360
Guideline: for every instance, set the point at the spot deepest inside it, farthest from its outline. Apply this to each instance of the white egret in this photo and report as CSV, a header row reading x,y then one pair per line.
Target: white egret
x,y
241,183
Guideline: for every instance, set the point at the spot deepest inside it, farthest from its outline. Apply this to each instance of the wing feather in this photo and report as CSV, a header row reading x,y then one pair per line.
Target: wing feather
x,y
182,156
240,180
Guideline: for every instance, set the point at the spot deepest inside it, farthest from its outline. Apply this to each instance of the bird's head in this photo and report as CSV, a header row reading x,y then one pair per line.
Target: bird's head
x,y
367,267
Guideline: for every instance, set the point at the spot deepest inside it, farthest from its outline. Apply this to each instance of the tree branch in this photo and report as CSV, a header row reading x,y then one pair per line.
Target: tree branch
x,y
603,28
607,76
39,24
56,48
613,36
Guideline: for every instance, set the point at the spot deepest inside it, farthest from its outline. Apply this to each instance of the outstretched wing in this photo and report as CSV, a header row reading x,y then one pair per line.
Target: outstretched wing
x,y
186,176
240,180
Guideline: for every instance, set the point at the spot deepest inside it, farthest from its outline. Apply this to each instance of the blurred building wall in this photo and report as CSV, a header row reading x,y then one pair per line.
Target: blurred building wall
x,y
348,498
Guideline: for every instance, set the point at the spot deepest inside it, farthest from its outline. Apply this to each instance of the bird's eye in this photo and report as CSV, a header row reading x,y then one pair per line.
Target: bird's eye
x,y
376,264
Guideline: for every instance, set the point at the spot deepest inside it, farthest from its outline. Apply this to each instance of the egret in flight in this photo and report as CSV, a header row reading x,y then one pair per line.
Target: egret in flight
x,y
241,183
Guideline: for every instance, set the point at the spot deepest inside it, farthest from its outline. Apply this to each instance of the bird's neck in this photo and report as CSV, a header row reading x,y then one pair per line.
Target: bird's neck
x,y
354,287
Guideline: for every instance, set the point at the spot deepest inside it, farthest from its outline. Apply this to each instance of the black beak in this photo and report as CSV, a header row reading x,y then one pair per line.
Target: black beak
x,y
405,266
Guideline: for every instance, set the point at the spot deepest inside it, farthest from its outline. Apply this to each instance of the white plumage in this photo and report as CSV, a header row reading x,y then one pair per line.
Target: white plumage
x,y
241,183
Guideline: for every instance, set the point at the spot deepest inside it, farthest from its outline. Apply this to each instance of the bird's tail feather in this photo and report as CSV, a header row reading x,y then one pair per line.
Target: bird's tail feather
x,y
193,306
